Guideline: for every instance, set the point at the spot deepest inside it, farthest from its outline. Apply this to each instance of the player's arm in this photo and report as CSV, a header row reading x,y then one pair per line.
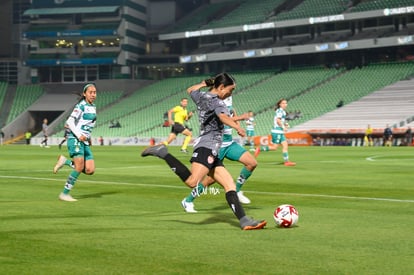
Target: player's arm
x,y
241,117
230,122
75,130
196,87
280,123
170,120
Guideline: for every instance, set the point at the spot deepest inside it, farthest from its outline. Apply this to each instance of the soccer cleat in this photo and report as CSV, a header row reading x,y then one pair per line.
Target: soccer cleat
x,y
184,151
66,197
59,164
159,150
250,224
289,163
257,152
188,206
242,198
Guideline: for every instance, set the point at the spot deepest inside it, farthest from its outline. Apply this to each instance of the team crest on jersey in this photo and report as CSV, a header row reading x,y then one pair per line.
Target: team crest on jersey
x,y
89,109
210,159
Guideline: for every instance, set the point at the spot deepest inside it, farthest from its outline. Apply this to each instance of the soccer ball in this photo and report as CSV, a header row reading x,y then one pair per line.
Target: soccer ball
x,y
286,215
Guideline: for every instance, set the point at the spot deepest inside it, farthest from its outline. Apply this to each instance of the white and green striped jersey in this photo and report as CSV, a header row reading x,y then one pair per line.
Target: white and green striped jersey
x,y
85,119
228,131
250,124
279,113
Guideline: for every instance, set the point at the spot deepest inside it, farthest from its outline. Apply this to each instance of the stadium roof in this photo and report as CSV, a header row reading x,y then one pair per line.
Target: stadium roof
x,y
75,10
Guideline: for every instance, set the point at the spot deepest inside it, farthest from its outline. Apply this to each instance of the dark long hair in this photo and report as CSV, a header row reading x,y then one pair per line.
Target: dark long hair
x,y
278,103
225,79
81,96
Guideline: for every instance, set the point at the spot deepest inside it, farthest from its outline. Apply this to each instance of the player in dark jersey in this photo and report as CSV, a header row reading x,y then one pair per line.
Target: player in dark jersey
x,y
213,115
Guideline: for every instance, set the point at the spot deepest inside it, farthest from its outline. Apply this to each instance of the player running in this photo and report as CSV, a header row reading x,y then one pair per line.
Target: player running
x,y
81,123
278,133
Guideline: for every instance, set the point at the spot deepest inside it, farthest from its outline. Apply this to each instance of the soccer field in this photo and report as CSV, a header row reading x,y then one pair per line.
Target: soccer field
x,y
356,215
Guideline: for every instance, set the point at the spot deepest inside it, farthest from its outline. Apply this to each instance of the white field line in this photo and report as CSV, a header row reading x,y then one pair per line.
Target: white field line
x,y
184,187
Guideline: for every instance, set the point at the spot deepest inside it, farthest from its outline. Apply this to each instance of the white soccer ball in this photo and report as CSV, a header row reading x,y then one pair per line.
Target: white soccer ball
x,y
286,215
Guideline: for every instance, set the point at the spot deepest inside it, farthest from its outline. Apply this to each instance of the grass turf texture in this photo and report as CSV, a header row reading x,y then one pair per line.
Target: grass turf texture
x,y
356,215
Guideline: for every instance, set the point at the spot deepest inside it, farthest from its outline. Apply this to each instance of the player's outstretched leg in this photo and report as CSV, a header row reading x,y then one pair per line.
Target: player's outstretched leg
x,y
159,150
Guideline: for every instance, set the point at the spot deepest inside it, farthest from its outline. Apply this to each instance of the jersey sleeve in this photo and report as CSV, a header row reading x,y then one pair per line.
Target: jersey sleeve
x,y
77,112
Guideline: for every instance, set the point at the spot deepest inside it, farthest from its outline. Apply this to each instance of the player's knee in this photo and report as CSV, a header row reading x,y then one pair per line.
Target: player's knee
x,y
191,184
251,165
89,171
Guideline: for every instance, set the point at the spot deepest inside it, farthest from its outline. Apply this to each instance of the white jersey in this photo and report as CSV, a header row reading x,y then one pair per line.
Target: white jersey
x,y
281,114
228,131
85,119
250,124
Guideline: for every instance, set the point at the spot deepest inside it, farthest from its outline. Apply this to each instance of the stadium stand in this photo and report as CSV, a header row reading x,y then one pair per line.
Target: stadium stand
x,y
248,12
314,91
391,105
24,97
201,16
351,87
381,4
314,88
3,90
136,112
313,8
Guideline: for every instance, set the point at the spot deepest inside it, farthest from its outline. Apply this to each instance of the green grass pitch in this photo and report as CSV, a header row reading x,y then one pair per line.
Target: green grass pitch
x,y
356,215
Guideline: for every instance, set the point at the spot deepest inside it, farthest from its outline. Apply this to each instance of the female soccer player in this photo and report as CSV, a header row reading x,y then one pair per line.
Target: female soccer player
x,y
250,123
213,114
231,150
278,133
80,122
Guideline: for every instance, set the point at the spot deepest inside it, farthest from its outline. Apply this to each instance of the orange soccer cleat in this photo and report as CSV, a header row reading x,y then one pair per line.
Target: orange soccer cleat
x,y
289,163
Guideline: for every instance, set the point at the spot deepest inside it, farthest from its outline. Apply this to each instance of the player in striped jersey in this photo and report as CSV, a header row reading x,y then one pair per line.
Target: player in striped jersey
x,y
250,123
278,133
81,123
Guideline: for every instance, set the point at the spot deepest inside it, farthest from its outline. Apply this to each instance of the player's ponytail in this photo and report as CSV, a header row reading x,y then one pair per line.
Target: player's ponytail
x,y
225,79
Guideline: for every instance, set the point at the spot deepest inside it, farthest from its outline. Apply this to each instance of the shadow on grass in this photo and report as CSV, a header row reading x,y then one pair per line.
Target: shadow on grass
x,y
217,216
225,206
96,195
214,219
